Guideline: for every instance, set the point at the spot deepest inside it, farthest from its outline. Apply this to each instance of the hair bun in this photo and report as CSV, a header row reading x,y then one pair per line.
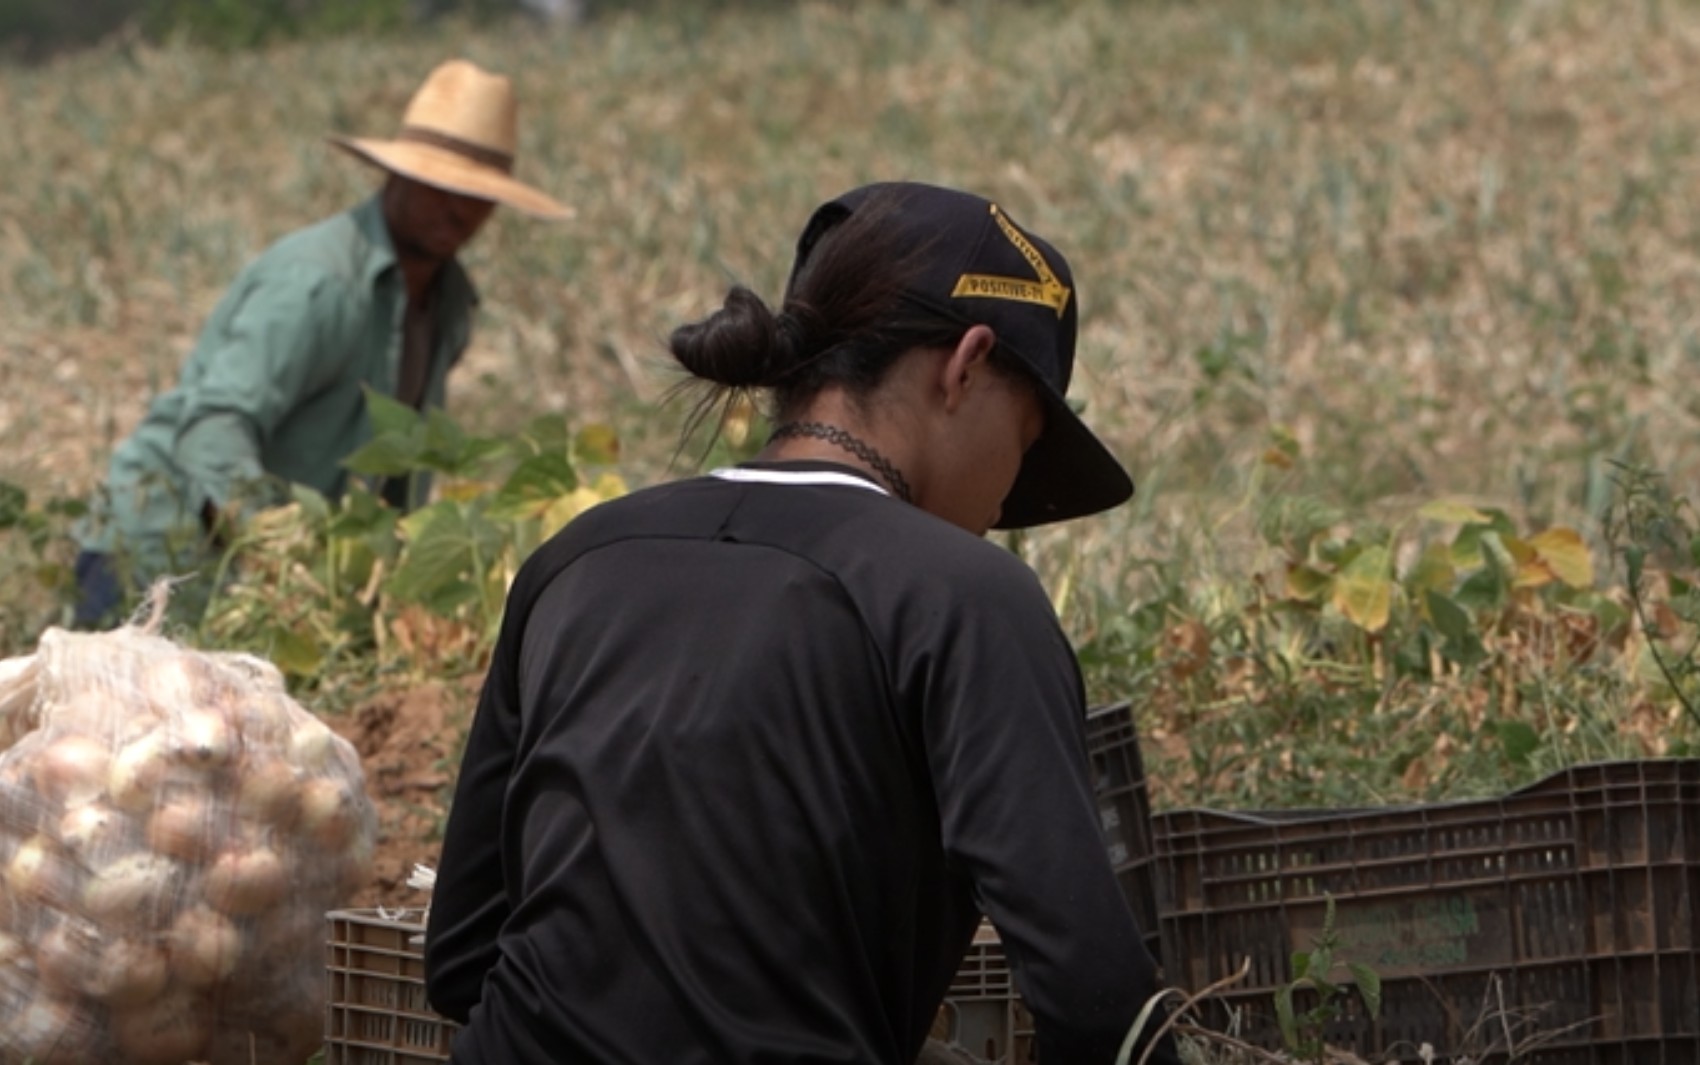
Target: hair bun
x,y
742,345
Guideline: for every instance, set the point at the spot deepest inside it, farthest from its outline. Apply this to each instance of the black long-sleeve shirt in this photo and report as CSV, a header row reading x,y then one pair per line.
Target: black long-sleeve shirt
x,y
750,760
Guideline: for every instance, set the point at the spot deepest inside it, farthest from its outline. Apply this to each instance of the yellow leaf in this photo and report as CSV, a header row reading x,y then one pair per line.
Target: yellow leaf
x,y
464,491
736,423
1363,591
1307,585
568,507
1566,556
597,444
610,486
1534,573
1453,511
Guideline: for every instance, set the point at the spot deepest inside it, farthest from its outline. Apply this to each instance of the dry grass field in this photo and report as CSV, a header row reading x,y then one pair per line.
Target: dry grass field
x,y
1348,253
1337,260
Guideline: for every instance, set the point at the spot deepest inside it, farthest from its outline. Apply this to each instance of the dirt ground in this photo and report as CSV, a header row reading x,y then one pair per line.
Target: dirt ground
x,y
409,742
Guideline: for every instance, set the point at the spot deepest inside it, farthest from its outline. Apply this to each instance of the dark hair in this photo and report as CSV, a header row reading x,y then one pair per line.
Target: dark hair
x,y
844,321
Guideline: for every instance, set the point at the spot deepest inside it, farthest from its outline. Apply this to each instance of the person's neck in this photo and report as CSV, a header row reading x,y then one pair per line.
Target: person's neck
x,y
836,413
419,274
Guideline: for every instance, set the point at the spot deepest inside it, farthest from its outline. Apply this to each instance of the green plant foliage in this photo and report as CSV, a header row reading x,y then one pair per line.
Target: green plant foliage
x,y
326,587
1303,1031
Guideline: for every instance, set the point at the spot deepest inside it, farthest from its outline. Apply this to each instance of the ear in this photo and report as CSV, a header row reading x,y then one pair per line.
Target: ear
x,y
967,360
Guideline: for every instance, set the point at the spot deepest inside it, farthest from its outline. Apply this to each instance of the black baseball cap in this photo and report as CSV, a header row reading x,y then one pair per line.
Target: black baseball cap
x,y
982,268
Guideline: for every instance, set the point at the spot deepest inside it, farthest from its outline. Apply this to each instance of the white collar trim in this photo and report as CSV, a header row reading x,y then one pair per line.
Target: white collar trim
x,y
801,477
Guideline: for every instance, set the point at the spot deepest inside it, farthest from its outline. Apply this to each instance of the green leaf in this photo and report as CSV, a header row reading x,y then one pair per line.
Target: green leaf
x,y
1466,547
14,504
546,433
1486,589
449,549
315,508
1610,615
1518,739
1307,583
1434,570
1363,591
535,483
1321,960
1453,512
1301,964
1285,1017
296,654
1369,986
449,449
67,508
1450,620
390,417
390,455
1462,644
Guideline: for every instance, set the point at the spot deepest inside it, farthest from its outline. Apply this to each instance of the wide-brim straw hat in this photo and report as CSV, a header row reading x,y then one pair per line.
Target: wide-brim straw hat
x,y
458,134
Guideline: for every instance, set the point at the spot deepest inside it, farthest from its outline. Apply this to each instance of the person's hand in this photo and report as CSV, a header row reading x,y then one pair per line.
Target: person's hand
x,y
221,524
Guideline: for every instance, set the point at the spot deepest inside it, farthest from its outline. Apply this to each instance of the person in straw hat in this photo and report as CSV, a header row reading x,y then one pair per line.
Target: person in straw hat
x,y
274,392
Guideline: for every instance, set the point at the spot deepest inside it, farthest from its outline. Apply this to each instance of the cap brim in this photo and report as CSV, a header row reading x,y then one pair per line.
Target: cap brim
x,y
446,170
1067,473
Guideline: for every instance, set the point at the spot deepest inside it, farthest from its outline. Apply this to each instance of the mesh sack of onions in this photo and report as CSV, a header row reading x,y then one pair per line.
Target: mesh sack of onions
x,y
173,827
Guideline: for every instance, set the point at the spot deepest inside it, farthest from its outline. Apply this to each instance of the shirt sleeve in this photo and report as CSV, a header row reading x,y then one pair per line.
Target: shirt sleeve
x,y
275,347
470,904
1004,728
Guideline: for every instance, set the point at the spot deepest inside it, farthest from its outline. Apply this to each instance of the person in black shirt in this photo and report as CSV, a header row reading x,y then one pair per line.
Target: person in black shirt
x,y
758,748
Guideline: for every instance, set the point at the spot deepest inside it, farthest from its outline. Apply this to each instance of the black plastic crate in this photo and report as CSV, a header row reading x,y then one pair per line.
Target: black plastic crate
x,y
1124,810
1568,907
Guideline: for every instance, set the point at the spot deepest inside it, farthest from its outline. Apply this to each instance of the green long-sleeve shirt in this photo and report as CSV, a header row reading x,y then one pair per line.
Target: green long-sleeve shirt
x,y
274,390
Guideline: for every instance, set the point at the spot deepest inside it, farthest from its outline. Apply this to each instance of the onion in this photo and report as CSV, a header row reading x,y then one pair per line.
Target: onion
x,y
12,951
204,740
271,717
49,1031
313,747
22,811
266,1043
138,772
138,888
287,936
87,710
183,827
36,871
170,1030
93,832
266,791
205,947
355,870
174,683
328,814
72,769
130,973
246,882
68,956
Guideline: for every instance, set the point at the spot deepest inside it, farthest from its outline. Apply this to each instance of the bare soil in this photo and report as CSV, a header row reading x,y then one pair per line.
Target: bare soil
x,y
409,742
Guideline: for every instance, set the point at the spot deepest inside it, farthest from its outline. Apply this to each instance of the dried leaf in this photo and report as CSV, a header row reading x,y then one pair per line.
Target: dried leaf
x,y
1565,555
